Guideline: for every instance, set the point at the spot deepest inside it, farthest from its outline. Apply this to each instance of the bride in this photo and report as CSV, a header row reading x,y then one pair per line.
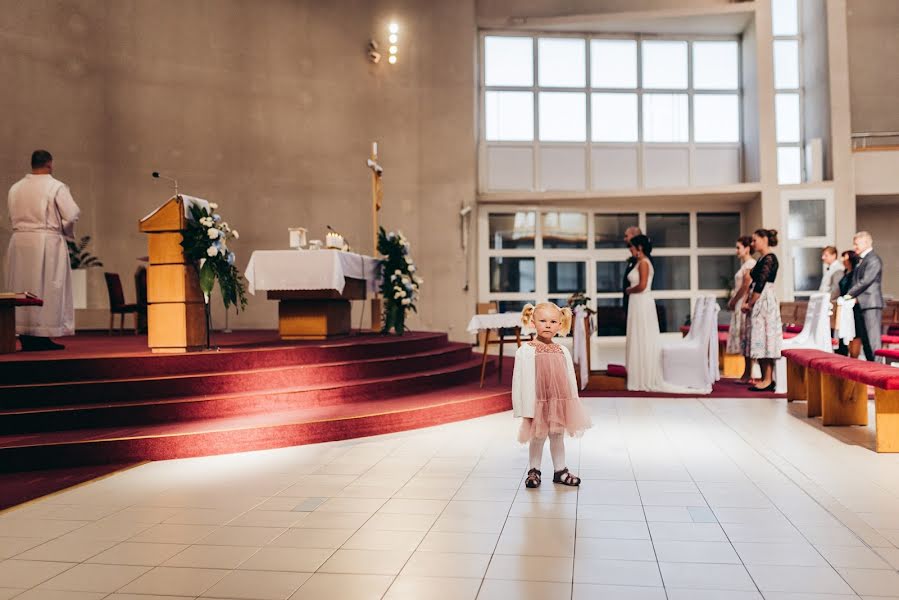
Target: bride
x,y
644,343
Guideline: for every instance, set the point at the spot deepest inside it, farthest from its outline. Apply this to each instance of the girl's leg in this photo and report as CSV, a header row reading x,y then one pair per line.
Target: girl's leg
x,y
536,452
557,450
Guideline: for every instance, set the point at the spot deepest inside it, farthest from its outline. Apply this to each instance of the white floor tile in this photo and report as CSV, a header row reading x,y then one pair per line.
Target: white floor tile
x,y
706,576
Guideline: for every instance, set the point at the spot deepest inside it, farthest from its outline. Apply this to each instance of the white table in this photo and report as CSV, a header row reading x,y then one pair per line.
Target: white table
x,y
495,321
313,288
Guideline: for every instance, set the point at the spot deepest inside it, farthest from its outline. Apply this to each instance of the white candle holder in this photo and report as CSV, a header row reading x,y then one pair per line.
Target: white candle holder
x,y
297,237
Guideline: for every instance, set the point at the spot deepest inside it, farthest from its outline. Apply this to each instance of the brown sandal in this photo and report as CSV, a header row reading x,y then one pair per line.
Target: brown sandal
x,y
533,480
566,478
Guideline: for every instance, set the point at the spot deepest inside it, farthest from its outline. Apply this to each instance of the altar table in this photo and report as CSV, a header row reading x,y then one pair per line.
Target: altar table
x,y
495,322
313,288
8,303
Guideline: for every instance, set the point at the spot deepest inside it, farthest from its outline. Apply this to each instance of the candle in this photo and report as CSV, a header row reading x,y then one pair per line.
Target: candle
x,y
374,149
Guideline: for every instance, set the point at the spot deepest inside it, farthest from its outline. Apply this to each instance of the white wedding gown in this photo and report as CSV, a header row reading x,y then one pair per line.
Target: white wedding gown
x,y
644,342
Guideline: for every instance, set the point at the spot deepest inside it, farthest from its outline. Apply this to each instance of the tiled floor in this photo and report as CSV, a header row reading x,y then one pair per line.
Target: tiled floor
x,y
682,500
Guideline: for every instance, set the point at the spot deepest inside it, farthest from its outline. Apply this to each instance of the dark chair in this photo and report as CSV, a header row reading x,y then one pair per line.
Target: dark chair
x,y
117,304
140,288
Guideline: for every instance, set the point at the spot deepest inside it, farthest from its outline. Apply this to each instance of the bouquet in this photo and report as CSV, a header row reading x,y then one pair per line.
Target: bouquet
x,y
399,283
206,243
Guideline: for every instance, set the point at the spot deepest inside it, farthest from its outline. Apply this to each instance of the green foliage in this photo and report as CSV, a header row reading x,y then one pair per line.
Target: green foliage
x,y
79,257
399,284
205,242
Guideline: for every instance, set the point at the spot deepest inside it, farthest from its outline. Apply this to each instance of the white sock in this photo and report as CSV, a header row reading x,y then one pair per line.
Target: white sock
x,y
536,452
557,450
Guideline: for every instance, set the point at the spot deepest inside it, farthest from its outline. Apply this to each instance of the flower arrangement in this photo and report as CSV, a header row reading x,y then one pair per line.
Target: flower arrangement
x,y
206,243
399,283
79,257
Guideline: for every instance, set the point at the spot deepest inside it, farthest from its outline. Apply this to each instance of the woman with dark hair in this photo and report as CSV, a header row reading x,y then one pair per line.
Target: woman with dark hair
x,y
737,338
765,328
643,351
850,262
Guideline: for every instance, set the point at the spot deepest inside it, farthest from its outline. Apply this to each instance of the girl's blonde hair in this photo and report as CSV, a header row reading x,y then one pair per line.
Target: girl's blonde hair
x,y
527,315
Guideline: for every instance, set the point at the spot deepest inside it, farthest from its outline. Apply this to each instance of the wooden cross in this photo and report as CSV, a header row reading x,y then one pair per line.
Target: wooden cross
x,y
377,194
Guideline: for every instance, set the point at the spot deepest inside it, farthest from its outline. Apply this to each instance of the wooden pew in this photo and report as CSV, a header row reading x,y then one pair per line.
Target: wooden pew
x,y
842,385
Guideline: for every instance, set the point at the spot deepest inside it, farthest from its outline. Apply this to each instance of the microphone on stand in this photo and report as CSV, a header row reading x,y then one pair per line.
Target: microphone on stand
x,y
156,175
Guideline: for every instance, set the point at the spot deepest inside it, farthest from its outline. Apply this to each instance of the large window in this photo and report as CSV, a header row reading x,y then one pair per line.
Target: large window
x,y
809,222
577,113
788,86
533,254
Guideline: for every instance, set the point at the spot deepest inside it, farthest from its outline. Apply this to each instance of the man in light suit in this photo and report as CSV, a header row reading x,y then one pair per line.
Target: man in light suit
x,y
866,280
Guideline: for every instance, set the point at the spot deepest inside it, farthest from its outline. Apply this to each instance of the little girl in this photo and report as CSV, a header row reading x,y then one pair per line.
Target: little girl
x,y
544,392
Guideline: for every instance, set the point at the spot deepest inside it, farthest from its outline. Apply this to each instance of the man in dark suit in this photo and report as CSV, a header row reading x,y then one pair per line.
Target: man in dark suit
x,y
866,289
629,234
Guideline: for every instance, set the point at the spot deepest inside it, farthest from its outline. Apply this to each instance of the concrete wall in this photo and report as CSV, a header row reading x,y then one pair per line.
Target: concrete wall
x,y
879,219
873,30
268,108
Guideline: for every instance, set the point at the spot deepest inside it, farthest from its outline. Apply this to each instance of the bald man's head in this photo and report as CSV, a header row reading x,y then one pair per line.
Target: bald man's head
x,y
631,232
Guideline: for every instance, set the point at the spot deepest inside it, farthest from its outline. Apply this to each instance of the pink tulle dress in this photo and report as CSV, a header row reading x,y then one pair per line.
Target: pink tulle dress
x,y
558,409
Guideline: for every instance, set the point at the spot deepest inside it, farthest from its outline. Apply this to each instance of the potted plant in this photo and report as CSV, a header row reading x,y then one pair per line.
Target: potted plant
x,y
81,260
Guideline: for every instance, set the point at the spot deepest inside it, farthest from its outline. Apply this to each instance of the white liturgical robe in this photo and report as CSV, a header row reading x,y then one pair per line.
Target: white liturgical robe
x,y
43,215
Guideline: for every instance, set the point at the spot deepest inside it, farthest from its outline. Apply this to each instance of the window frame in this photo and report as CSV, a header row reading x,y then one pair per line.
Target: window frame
x,y
640,146
819,242
800,90
591,254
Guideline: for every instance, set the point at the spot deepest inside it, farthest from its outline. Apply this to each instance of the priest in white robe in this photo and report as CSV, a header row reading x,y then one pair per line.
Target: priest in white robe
x,y
43,215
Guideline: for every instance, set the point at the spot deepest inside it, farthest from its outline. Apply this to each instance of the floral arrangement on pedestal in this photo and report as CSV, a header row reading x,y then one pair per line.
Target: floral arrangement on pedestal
x,y
399,283
206,243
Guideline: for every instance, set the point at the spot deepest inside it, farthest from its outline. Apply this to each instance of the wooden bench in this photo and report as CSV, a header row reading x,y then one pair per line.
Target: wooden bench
x,y
804,377
840,384
890,355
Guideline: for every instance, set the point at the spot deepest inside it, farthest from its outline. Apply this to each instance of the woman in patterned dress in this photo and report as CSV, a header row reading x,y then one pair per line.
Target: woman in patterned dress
x,y
737,338
765,328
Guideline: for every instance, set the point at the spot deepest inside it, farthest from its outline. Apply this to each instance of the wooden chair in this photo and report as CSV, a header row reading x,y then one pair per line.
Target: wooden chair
x,y
117,304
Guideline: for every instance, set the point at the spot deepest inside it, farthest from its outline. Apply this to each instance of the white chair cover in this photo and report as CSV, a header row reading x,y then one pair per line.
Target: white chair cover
x,y
815,335
693,361
581,339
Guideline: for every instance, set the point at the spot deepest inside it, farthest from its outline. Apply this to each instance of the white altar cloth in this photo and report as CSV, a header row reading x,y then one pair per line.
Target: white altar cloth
x,y
309,270
494,321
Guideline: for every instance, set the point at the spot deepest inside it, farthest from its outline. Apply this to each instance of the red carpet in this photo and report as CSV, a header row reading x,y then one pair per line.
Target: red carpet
x,y
16,488
725,388
107,400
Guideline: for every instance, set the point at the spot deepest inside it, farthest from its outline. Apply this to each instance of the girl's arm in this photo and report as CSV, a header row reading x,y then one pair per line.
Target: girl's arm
x,y
643,270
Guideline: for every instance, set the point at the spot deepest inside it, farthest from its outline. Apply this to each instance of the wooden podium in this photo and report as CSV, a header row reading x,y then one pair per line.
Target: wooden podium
x,y
175,307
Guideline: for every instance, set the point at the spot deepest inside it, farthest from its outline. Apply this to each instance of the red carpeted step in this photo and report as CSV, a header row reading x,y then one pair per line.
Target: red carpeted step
x,y
248,432
89,357
223,382
130,411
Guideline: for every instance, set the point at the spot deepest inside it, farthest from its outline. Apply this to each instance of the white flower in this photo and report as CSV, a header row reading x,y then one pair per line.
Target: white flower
x,y
235,234
408,261
411,268
397,272
212,251
213,233
213,205
418,280
206,221
406,301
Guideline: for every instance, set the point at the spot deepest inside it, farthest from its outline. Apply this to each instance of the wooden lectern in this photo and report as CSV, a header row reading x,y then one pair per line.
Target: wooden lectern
x,y
175,307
